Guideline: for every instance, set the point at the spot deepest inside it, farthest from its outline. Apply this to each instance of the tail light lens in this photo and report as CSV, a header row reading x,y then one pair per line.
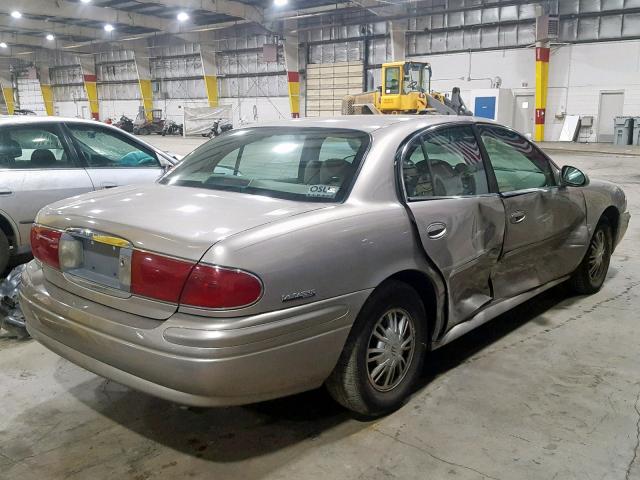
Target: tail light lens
x,y
157,276
217,287
197,285
45,243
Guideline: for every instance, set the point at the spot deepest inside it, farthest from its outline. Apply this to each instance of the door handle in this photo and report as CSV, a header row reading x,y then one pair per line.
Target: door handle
x,y
108,185
5,191
436,230
517,217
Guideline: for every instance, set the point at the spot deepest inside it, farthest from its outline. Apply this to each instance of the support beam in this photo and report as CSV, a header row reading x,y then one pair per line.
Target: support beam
x,y
210,73
224,7
29,40
143,66
398,39
64,9
88,65
6,85
57,28
45,87
542,81
293,73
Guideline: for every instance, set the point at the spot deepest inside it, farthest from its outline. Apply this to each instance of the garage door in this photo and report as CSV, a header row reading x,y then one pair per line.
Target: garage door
x,y
327,83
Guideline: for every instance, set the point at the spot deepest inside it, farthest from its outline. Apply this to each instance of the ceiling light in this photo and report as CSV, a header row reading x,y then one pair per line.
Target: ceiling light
x,y
50,37
280,3
16,14
3,45
108,27
183,17
85,1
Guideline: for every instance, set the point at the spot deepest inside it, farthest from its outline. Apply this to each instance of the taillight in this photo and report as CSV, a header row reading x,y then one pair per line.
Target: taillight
x,y
195,285
209,286
44,245
157,276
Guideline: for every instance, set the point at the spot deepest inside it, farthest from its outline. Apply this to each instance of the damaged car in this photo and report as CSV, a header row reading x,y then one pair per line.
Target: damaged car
x,y
338,251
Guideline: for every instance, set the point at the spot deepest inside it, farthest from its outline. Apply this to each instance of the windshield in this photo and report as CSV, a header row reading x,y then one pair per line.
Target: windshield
x,y
416,77
311,164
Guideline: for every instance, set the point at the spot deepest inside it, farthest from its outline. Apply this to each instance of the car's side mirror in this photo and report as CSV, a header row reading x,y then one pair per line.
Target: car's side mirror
x,y
573,177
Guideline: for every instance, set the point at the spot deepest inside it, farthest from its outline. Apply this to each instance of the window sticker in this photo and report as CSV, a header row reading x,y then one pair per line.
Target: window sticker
x,y
323,191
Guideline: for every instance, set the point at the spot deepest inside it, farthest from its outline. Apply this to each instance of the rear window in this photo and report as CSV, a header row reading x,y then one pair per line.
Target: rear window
x,y
311,164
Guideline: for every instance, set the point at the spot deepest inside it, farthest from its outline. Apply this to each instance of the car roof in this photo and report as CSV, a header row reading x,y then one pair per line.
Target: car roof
x,y
371,123
27,119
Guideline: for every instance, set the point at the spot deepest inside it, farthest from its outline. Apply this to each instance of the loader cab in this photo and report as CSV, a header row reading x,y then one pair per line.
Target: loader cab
x,y
403,86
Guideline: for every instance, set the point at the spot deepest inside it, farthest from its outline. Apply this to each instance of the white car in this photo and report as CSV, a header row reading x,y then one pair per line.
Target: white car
x,y
45,159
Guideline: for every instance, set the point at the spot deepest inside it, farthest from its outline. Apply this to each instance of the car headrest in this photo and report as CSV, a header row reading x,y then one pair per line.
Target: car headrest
x,y
42,158
10,148
334,170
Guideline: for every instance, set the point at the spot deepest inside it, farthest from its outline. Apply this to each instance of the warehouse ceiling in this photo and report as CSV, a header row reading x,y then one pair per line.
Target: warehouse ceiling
x,y
57,24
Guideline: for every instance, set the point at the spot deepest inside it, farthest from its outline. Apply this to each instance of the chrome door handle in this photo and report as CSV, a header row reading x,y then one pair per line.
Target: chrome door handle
x,y
517,217
436,230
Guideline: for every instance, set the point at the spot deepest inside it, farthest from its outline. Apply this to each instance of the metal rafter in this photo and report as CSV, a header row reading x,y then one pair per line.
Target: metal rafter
x,y
65,9
231,8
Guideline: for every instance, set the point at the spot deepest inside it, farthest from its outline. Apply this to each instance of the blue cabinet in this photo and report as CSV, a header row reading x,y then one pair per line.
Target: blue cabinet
x,y
485,107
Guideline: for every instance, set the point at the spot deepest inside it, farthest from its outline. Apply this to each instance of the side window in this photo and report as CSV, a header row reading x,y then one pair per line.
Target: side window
x,y
34,146
103,148
415,172
518,165
392,80
448,164
455,162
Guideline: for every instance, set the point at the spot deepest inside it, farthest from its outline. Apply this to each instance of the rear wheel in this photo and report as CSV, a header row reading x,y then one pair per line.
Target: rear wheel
x,y
590,274
384,353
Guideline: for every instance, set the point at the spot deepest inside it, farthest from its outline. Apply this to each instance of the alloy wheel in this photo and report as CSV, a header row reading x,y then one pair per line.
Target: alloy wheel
x,y
597,256
390,349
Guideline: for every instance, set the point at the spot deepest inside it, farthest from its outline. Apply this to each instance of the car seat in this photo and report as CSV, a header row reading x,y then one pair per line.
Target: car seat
x,y
42,158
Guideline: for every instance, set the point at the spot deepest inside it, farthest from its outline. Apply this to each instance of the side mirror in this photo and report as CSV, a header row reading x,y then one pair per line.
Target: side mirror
x,y
573,177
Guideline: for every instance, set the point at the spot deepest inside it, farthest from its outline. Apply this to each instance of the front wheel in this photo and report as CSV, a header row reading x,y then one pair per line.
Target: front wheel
x,y
590,274
384,353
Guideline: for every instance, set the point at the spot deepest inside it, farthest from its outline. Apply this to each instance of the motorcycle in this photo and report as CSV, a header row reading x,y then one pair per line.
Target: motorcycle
x,y
125,123
218,129
172,128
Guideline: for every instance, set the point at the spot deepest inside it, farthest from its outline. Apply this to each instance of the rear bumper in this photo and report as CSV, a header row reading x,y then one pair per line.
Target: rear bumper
x,y
193,360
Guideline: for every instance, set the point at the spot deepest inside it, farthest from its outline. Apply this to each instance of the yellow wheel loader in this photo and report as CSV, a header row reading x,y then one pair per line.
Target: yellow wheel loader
x,y
406,88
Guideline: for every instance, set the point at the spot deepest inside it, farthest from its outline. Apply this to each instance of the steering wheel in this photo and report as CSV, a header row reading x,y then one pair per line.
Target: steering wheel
x,y
413,84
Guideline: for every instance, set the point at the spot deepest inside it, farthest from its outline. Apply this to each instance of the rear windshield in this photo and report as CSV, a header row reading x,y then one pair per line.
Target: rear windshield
x,y
311,164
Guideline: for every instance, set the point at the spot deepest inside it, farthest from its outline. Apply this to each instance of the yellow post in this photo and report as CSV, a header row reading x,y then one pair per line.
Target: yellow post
x,y
147,97
542,80
293,79
7,93
47,96
211,84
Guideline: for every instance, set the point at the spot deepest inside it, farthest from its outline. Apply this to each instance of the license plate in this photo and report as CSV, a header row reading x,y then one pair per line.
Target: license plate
x,y
96,257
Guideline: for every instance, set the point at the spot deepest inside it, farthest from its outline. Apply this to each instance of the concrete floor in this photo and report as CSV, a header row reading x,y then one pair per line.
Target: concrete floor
x,y
550,390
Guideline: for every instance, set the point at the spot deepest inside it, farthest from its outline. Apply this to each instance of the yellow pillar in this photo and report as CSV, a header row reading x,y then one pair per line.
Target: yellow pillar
x,y
7,93
209,73
147,97
293,79
542,81
47,96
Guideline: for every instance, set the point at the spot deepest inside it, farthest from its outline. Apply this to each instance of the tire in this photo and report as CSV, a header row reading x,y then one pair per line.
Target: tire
x,y
5,254
358,384
592,271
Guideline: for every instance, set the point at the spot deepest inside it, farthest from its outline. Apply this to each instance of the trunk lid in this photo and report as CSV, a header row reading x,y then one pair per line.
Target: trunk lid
x,y
182,222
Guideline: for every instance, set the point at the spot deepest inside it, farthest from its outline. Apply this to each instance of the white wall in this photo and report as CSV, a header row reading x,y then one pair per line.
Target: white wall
x,y
577,75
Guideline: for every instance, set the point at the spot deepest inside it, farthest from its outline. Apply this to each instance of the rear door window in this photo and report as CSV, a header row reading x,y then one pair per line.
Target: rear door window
x,y
34,147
